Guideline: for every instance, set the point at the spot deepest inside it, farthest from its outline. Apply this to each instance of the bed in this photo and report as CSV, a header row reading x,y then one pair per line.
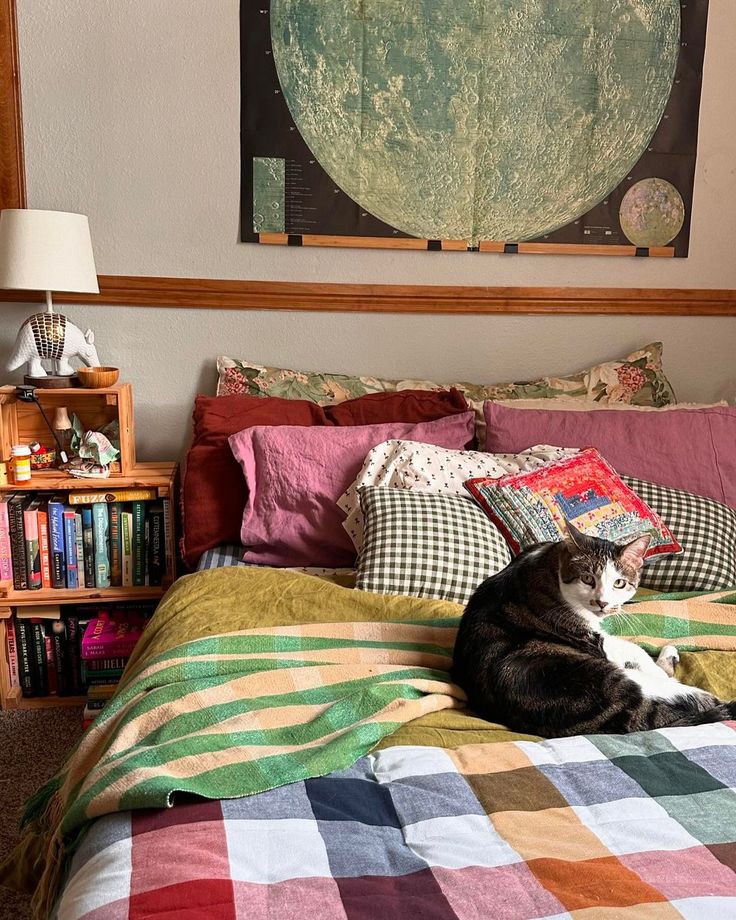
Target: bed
x,y
283,745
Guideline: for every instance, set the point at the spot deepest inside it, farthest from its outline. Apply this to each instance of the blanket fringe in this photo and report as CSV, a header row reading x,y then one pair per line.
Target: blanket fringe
x,y
51,855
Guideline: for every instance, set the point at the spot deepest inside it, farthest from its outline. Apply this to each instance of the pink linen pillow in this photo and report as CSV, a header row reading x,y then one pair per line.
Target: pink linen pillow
x,y
682,448
295,476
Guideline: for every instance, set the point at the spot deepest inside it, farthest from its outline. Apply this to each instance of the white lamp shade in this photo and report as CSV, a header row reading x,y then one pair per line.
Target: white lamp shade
x,y
46,251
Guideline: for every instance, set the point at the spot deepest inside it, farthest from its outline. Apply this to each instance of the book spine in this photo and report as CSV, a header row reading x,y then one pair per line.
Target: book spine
x,y
79,544
156,551
126,529
26,658
125,495
44,548
57,628
106,664
116,545
88,539
39,652
100,526
17,545
56,538
168,539
51,673
82,625
6,558
138,541
70,550
72,655
33,555
12,650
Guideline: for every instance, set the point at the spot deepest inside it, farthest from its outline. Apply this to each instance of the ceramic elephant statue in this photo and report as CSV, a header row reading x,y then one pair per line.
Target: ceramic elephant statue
x,y
53,337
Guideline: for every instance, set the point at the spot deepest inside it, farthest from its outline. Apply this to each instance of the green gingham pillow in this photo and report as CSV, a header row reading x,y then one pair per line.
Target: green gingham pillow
x,y
426,544
705,529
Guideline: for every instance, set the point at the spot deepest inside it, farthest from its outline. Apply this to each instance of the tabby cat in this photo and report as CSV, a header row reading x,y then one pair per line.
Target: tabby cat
x,y
530,651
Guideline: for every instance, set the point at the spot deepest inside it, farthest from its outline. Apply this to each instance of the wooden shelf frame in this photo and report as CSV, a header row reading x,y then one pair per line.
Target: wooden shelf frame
x,y
159,475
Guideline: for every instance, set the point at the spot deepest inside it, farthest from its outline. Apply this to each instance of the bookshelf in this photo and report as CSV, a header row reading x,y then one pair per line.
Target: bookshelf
x,y
93,407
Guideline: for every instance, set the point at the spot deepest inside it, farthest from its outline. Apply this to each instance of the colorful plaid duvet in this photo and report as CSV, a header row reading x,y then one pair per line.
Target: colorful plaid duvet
x,y
638,826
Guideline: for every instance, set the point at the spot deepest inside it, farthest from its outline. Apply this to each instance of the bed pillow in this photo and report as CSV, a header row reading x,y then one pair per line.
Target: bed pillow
x,y
213,490
426,545
637,379
422,467
532,507
682,448
296,475
707,532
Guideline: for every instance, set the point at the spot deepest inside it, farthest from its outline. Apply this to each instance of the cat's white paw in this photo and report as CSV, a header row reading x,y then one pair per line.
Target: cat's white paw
x,y
668,659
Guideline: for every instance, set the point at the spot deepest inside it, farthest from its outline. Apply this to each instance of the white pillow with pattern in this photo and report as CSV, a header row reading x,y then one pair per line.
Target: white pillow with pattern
x,y
399,464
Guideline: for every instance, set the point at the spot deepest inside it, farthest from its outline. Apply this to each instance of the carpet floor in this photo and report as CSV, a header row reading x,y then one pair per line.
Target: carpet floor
x,y
33,745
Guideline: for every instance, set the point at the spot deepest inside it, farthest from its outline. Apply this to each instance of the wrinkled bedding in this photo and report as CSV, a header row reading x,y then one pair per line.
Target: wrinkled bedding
x,y
113,865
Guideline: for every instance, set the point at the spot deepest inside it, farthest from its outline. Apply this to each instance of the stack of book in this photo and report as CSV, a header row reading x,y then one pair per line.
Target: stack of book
x,y
84,539
107,644
45,654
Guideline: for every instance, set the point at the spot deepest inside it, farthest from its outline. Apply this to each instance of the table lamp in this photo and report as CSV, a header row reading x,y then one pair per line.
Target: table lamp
x,y
48,251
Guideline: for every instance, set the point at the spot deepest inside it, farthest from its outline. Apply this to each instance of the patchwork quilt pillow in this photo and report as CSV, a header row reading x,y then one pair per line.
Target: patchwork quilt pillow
x,y
532,507
706,529
420,467
426,545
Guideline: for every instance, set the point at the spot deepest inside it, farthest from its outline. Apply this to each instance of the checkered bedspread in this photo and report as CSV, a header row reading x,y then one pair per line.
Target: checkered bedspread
x,y
638,826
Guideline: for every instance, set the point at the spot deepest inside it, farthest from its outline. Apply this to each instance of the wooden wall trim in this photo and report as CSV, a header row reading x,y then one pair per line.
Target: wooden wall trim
x,y
204,293
12,166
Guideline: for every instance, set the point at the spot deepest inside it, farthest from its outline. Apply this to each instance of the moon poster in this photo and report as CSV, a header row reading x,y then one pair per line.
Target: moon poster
x,y
497,125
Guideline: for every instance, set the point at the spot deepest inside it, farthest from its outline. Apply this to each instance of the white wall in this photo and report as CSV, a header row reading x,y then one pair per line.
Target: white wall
x,y
131,116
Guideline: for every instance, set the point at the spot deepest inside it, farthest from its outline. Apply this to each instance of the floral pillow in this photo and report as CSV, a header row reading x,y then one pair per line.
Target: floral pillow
x,y
638,379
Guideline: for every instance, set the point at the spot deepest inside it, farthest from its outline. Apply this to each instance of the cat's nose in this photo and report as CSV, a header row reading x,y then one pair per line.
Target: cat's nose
x,y
602,604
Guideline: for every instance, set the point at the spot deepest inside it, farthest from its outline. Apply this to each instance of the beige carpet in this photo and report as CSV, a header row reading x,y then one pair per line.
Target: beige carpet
x,y
33,744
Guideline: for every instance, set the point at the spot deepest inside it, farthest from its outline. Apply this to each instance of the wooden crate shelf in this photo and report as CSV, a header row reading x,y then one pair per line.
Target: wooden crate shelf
x,y
22,423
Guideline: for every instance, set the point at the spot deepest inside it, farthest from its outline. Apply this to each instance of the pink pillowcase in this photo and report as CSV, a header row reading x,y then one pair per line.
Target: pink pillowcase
x,y
295,476
691,449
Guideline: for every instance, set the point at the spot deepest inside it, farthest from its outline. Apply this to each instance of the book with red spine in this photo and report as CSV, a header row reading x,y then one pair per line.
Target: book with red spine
x,y
112,637
44,546
33,556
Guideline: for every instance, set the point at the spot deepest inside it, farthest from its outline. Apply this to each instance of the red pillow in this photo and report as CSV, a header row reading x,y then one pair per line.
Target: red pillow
x,y
213,491
399,406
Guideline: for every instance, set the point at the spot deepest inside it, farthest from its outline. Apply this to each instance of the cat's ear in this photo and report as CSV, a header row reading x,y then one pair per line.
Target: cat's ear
x,y
578,539
634,552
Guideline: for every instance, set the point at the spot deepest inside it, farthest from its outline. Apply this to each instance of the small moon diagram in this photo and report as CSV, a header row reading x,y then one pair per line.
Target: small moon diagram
x,y
476,119
652,213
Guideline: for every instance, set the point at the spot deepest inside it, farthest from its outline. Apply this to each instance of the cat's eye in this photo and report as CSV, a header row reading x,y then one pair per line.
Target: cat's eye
x,y
587,579
619,583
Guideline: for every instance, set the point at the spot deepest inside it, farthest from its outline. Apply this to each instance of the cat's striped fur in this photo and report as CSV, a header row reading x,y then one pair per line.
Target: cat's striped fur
x,y
530,652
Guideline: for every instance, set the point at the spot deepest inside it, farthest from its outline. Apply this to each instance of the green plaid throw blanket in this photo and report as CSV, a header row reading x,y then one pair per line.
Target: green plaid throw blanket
x,y
692,622
237,714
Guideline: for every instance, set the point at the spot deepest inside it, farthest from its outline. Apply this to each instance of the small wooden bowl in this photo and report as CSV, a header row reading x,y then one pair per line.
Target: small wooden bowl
x,y
97,378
